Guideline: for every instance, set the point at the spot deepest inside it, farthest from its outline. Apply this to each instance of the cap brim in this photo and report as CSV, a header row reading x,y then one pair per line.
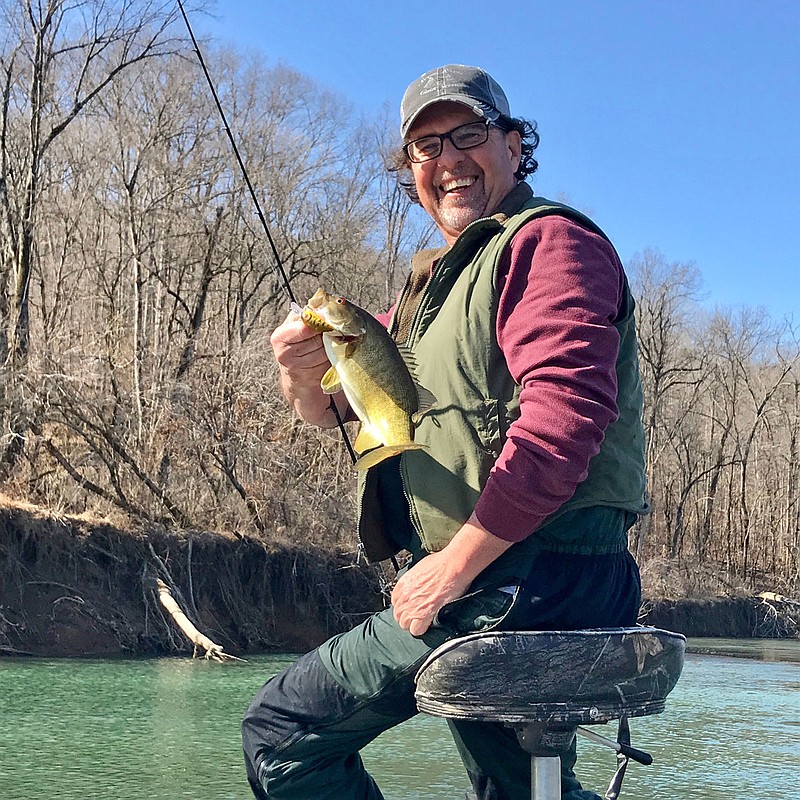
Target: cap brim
x,y
479,109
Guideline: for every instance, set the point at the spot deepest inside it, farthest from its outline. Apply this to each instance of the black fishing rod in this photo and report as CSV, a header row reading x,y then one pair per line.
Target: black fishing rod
x,y
276,256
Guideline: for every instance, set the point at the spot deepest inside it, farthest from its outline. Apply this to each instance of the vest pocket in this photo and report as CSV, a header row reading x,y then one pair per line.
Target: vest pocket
x,y
383,523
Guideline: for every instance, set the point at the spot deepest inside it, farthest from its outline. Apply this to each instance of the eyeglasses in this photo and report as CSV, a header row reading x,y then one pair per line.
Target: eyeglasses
x,y
464,137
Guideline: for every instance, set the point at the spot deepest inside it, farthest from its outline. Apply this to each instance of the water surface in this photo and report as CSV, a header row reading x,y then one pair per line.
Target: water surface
x,y
165,729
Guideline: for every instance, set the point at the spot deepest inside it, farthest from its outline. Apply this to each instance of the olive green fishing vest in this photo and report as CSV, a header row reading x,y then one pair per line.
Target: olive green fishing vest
x,y
453,338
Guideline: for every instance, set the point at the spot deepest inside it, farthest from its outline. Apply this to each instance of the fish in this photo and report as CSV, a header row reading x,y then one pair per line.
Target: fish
x,y
376,375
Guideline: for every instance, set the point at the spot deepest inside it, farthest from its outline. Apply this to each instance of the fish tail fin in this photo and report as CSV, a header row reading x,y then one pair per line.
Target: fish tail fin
x,y
379,454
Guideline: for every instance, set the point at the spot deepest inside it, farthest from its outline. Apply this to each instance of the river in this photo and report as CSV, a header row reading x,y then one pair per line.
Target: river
x,y
164,729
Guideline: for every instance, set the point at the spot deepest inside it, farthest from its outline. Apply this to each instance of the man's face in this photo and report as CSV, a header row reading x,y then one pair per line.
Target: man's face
x,y
461,186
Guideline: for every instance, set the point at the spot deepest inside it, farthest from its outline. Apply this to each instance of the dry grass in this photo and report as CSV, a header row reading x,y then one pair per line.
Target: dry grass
x,y
674,579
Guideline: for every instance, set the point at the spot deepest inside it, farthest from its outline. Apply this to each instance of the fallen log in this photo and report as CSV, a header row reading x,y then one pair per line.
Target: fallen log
x,y
780,616
199,640
778,598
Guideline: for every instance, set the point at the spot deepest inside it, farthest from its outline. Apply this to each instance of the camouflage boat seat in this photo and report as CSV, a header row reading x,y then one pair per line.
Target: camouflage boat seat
x,y
546,684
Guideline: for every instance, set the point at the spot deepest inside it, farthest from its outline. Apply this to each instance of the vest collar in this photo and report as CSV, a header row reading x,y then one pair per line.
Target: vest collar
x,y
422,263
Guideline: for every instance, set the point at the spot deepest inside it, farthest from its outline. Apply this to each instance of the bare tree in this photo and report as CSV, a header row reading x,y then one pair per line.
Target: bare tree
x,y
59,59
748,340
406,229
666,295
155,292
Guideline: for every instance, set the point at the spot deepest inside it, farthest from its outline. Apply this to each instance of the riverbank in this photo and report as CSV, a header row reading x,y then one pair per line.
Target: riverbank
x,y
71,586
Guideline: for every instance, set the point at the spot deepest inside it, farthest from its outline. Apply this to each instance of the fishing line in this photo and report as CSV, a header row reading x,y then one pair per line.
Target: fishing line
x,y
278,263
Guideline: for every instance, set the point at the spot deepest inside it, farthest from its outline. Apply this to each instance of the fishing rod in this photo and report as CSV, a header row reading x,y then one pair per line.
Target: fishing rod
x,y
287,287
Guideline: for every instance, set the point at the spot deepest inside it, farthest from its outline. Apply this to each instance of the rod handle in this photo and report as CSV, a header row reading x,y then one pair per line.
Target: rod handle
x,y
636,754
631,752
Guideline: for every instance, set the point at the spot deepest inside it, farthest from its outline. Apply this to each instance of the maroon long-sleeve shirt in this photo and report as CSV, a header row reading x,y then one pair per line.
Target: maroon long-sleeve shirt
x,y
560,286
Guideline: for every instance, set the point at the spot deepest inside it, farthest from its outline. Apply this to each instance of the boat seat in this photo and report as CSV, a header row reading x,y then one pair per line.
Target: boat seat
x,y
547,683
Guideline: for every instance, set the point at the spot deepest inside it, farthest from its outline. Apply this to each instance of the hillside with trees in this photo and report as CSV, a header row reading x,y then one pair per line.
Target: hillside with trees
x,y
138,292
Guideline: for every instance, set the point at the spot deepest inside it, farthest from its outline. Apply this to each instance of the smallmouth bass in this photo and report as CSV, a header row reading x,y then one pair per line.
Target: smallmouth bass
x,y
373,372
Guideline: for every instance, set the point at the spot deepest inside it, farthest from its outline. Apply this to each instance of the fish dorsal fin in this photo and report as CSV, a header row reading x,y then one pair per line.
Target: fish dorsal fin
x,y
410,359
427,399
330,382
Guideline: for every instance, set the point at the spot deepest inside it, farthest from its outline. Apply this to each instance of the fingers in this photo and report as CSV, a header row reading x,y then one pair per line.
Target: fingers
x,y
302,360
421,592
413,610
296,346
418,626
415,625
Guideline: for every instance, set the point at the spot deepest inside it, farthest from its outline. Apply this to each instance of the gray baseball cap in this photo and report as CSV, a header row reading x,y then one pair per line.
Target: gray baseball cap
x,y
471,86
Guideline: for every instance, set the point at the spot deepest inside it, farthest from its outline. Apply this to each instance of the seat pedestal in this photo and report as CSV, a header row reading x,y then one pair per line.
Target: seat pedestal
x,y
544,743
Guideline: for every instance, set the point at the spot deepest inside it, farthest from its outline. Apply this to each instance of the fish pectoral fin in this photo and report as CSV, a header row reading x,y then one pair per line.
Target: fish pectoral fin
x,y
365,441
330,383
382,453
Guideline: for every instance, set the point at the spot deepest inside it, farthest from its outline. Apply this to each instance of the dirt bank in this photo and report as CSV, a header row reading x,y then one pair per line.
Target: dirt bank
x,y
726,617
73,587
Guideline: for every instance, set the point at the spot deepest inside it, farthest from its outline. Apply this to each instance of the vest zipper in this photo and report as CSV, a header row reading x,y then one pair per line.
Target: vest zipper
x,y
439,271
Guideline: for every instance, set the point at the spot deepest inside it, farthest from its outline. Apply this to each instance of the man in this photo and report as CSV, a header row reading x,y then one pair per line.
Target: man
x,y
516,513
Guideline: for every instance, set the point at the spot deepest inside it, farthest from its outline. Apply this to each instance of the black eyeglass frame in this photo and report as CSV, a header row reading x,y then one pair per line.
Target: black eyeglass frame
x,y
448,135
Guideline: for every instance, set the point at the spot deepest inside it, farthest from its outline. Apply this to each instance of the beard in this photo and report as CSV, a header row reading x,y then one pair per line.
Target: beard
x,y
458,212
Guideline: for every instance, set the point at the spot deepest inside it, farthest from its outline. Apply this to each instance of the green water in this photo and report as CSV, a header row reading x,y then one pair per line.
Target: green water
x,y
169,728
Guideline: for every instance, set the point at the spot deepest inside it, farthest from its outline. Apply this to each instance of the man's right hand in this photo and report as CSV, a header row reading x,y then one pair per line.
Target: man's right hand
x,y
301,358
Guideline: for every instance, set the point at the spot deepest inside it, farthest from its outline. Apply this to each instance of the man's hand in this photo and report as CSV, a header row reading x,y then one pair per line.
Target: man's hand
x,y
301,357
444,576
423,590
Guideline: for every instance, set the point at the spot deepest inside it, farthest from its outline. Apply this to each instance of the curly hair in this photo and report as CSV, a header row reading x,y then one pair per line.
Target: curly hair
x,y
398,162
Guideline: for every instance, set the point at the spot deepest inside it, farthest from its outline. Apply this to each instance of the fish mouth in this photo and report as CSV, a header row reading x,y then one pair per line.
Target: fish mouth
x,y
325,313
344,337
320,325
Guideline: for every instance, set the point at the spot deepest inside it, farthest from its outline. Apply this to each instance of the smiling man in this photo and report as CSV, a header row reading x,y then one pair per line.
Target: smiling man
x,y
515,515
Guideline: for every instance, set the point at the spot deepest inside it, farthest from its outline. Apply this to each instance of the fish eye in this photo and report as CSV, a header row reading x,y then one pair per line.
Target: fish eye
x,y
341,301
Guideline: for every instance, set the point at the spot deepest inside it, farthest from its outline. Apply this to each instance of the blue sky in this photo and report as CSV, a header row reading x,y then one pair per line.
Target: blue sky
x,y
676,124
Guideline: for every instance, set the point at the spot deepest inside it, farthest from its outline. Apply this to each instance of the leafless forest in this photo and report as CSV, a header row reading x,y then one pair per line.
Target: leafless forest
x,y
138,293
